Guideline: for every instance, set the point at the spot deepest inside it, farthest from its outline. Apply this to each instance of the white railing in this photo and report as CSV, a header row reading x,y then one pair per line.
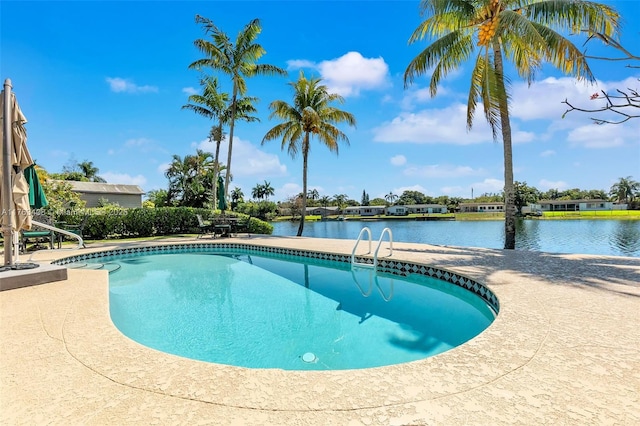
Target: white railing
x,y
61,231
375,254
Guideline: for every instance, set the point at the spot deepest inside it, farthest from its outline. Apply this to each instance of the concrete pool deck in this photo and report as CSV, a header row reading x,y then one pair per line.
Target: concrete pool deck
x,y
564,350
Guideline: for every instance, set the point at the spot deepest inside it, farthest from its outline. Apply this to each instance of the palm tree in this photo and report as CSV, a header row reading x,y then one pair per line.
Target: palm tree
x,y
238,60
391,197
257,192
340,200
90,172
267,190
213,104
625,190
524,31
313,194
237,196
310,114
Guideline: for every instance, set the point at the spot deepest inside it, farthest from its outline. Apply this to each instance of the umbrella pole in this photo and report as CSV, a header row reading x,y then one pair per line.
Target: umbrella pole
x,y
7,217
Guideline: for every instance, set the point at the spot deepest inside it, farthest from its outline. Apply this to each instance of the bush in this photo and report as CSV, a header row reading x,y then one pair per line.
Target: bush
x,y
105,222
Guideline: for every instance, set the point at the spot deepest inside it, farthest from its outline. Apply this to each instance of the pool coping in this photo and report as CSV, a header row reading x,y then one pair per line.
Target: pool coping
x,y
509,367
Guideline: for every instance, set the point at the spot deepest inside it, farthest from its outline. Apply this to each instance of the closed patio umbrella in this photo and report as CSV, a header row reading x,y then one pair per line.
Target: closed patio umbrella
x,y
14,190
222,202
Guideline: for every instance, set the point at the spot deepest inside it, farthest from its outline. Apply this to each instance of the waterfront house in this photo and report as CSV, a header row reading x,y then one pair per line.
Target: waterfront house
x,y
323,211
494,207
576,205
364,210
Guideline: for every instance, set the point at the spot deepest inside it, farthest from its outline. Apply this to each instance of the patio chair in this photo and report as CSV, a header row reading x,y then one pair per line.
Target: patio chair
x,y
37,234
73,228
204,227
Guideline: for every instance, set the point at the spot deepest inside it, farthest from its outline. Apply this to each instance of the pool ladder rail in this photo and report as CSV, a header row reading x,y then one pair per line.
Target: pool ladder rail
x,y
375,254
372,267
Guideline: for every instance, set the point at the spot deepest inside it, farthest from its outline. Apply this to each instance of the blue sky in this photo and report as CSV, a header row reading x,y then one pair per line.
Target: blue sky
x,y
105,82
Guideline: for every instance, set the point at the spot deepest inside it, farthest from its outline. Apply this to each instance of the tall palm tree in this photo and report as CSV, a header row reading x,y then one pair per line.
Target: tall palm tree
x,y
527,33
257,192
214,104
267,190
313,194
310,114
237,196
625,190
90,171
238,60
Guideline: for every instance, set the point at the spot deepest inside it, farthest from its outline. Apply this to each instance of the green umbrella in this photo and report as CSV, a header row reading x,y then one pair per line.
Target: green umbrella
x,y
222,202
37,198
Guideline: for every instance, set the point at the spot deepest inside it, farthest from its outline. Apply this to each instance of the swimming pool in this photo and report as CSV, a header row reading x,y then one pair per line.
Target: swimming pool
x,y
263,307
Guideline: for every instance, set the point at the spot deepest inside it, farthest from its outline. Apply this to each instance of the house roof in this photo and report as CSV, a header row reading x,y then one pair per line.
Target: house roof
x,y
492,203
104,188
597,200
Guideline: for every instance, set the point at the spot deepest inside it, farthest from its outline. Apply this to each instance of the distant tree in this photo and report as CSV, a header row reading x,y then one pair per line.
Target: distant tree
x,y
365,198
159,197
313,194
58,192
90,171
340,200
238,60
324,201
391,197
312,114
524,195
409,198
378,202
551,194
488,197
237,196
625,190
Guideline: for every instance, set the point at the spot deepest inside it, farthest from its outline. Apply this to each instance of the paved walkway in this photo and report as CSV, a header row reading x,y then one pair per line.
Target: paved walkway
x,y
564,350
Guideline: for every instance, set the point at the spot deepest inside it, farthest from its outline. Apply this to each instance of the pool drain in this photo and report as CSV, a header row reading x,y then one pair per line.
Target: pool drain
x,y
309,357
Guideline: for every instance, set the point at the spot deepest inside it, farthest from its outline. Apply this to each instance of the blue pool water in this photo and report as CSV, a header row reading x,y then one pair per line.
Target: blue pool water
x,y
264,312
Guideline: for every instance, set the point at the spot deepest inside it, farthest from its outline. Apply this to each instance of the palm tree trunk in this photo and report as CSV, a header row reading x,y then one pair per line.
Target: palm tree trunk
x,y
216,166
505,125
231,126
305,155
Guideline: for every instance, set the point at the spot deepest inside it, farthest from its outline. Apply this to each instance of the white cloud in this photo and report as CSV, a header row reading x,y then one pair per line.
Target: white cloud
x,y
430,126
547,153
190,90
543,99
454,191
545,185
118,85
351,73
162,168
441,171
124,178
595,136
398,160
287,190
294,64
248,160
490,186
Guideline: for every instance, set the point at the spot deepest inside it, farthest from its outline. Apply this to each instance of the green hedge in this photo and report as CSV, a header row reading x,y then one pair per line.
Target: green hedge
x,y
117,222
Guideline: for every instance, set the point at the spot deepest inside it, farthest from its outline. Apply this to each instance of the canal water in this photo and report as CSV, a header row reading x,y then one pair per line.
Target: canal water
x,y
608,237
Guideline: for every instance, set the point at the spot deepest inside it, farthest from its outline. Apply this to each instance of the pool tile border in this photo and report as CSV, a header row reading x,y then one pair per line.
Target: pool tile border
x,y
394,267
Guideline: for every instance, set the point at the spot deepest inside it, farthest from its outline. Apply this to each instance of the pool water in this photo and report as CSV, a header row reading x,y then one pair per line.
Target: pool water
x,y
263,312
